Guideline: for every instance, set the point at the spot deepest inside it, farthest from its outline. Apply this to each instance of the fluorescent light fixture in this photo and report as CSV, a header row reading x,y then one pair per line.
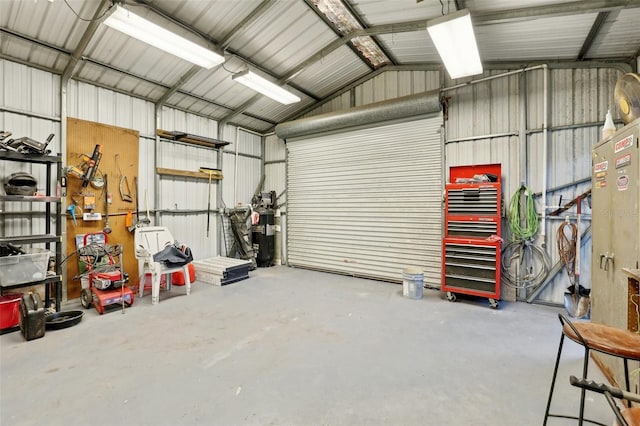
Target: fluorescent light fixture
x,y
137,27
264,86
453,36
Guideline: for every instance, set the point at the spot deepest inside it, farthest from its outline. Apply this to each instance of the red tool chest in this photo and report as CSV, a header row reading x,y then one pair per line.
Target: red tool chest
x,y
471,245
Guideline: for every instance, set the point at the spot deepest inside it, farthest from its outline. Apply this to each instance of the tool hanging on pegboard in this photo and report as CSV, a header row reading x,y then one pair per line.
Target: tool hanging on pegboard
x,y
125,190
107,201
87,168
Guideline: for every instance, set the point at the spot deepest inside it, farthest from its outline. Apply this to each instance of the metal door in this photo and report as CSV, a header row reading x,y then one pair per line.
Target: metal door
x,y
367,202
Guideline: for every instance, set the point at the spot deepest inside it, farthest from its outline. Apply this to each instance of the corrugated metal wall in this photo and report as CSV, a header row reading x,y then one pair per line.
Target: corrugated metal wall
x,y
244,153
30,106
486,122
394,84
275,156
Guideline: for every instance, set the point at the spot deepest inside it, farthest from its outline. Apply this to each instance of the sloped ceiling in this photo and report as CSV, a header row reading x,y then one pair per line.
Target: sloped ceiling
x,y
290,41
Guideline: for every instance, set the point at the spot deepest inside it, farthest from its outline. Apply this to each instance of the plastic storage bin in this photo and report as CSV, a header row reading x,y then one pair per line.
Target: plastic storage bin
x,y
10,310
24,268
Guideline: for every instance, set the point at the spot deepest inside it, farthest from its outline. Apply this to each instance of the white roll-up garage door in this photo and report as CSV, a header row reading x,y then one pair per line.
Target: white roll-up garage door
x,y
367,202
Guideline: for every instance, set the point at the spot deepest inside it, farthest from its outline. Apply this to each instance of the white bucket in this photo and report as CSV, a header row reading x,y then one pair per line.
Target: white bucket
x,y
412,283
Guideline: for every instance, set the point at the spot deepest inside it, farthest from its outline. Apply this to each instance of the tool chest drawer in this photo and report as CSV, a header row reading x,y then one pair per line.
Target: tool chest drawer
x,y
471,267
473,199
482,227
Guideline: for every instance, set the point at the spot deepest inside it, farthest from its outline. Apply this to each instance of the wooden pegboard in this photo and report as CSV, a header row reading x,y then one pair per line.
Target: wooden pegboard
x,y
82,137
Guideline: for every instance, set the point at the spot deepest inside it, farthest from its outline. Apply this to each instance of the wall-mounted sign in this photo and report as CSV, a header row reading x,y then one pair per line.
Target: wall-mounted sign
x,y
623,144
622,183
601,166
623,161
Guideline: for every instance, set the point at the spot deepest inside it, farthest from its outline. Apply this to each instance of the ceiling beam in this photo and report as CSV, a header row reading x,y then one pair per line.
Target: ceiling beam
x,y
593,33
35,41
173,89
91,29
561,9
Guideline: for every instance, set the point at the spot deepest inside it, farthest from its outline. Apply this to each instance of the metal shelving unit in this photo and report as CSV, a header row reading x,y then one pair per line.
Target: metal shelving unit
x,y
53,210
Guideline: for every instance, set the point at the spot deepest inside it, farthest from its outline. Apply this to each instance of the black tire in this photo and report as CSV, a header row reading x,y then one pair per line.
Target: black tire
x,y
86,298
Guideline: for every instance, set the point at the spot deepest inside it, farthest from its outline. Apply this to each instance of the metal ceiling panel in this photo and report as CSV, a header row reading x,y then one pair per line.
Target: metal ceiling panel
x,y
121,82
44,20
619,36
495,5
216,84
280,37
217,18
22,50
210,110
380,12
541,39
410,48
334,71
284,36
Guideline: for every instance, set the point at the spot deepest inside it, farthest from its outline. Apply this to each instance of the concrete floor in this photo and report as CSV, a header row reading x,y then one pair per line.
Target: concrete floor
x,y
294,347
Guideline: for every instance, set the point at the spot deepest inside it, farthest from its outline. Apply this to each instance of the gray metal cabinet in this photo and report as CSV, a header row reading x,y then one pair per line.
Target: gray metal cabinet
x,y
616,228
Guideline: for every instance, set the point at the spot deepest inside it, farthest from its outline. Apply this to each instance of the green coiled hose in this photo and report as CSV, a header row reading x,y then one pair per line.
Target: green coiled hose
x,y
522,224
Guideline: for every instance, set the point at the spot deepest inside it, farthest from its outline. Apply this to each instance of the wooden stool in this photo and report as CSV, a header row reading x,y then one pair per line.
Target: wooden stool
x,y
597,337
632,416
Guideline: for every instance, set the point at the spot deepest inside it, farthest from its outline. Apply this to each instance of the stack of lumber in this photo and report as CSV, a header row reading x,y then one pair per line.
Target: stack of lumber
x,y
221,270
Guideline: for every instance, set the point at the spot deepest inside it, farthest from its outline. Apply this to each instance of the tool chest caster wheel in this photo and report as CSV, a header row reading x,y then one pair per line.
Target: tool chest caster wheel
x,y
494,304
451,297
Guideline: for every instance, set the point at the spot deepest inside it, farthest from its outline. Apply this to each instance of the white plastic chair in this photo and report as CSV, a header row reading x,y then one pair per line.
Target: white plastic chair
x,y
149,241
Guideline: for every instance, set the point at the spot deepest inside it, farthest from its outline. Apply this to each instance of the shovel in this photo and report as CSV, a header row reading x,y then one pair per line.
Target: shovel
x,y
577,299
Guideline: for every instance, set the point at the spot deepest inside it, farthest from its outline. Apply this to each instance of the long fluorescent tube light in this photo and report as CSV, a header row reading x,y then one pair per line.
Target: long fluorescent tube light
x,y
453,37
264,86
135,26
